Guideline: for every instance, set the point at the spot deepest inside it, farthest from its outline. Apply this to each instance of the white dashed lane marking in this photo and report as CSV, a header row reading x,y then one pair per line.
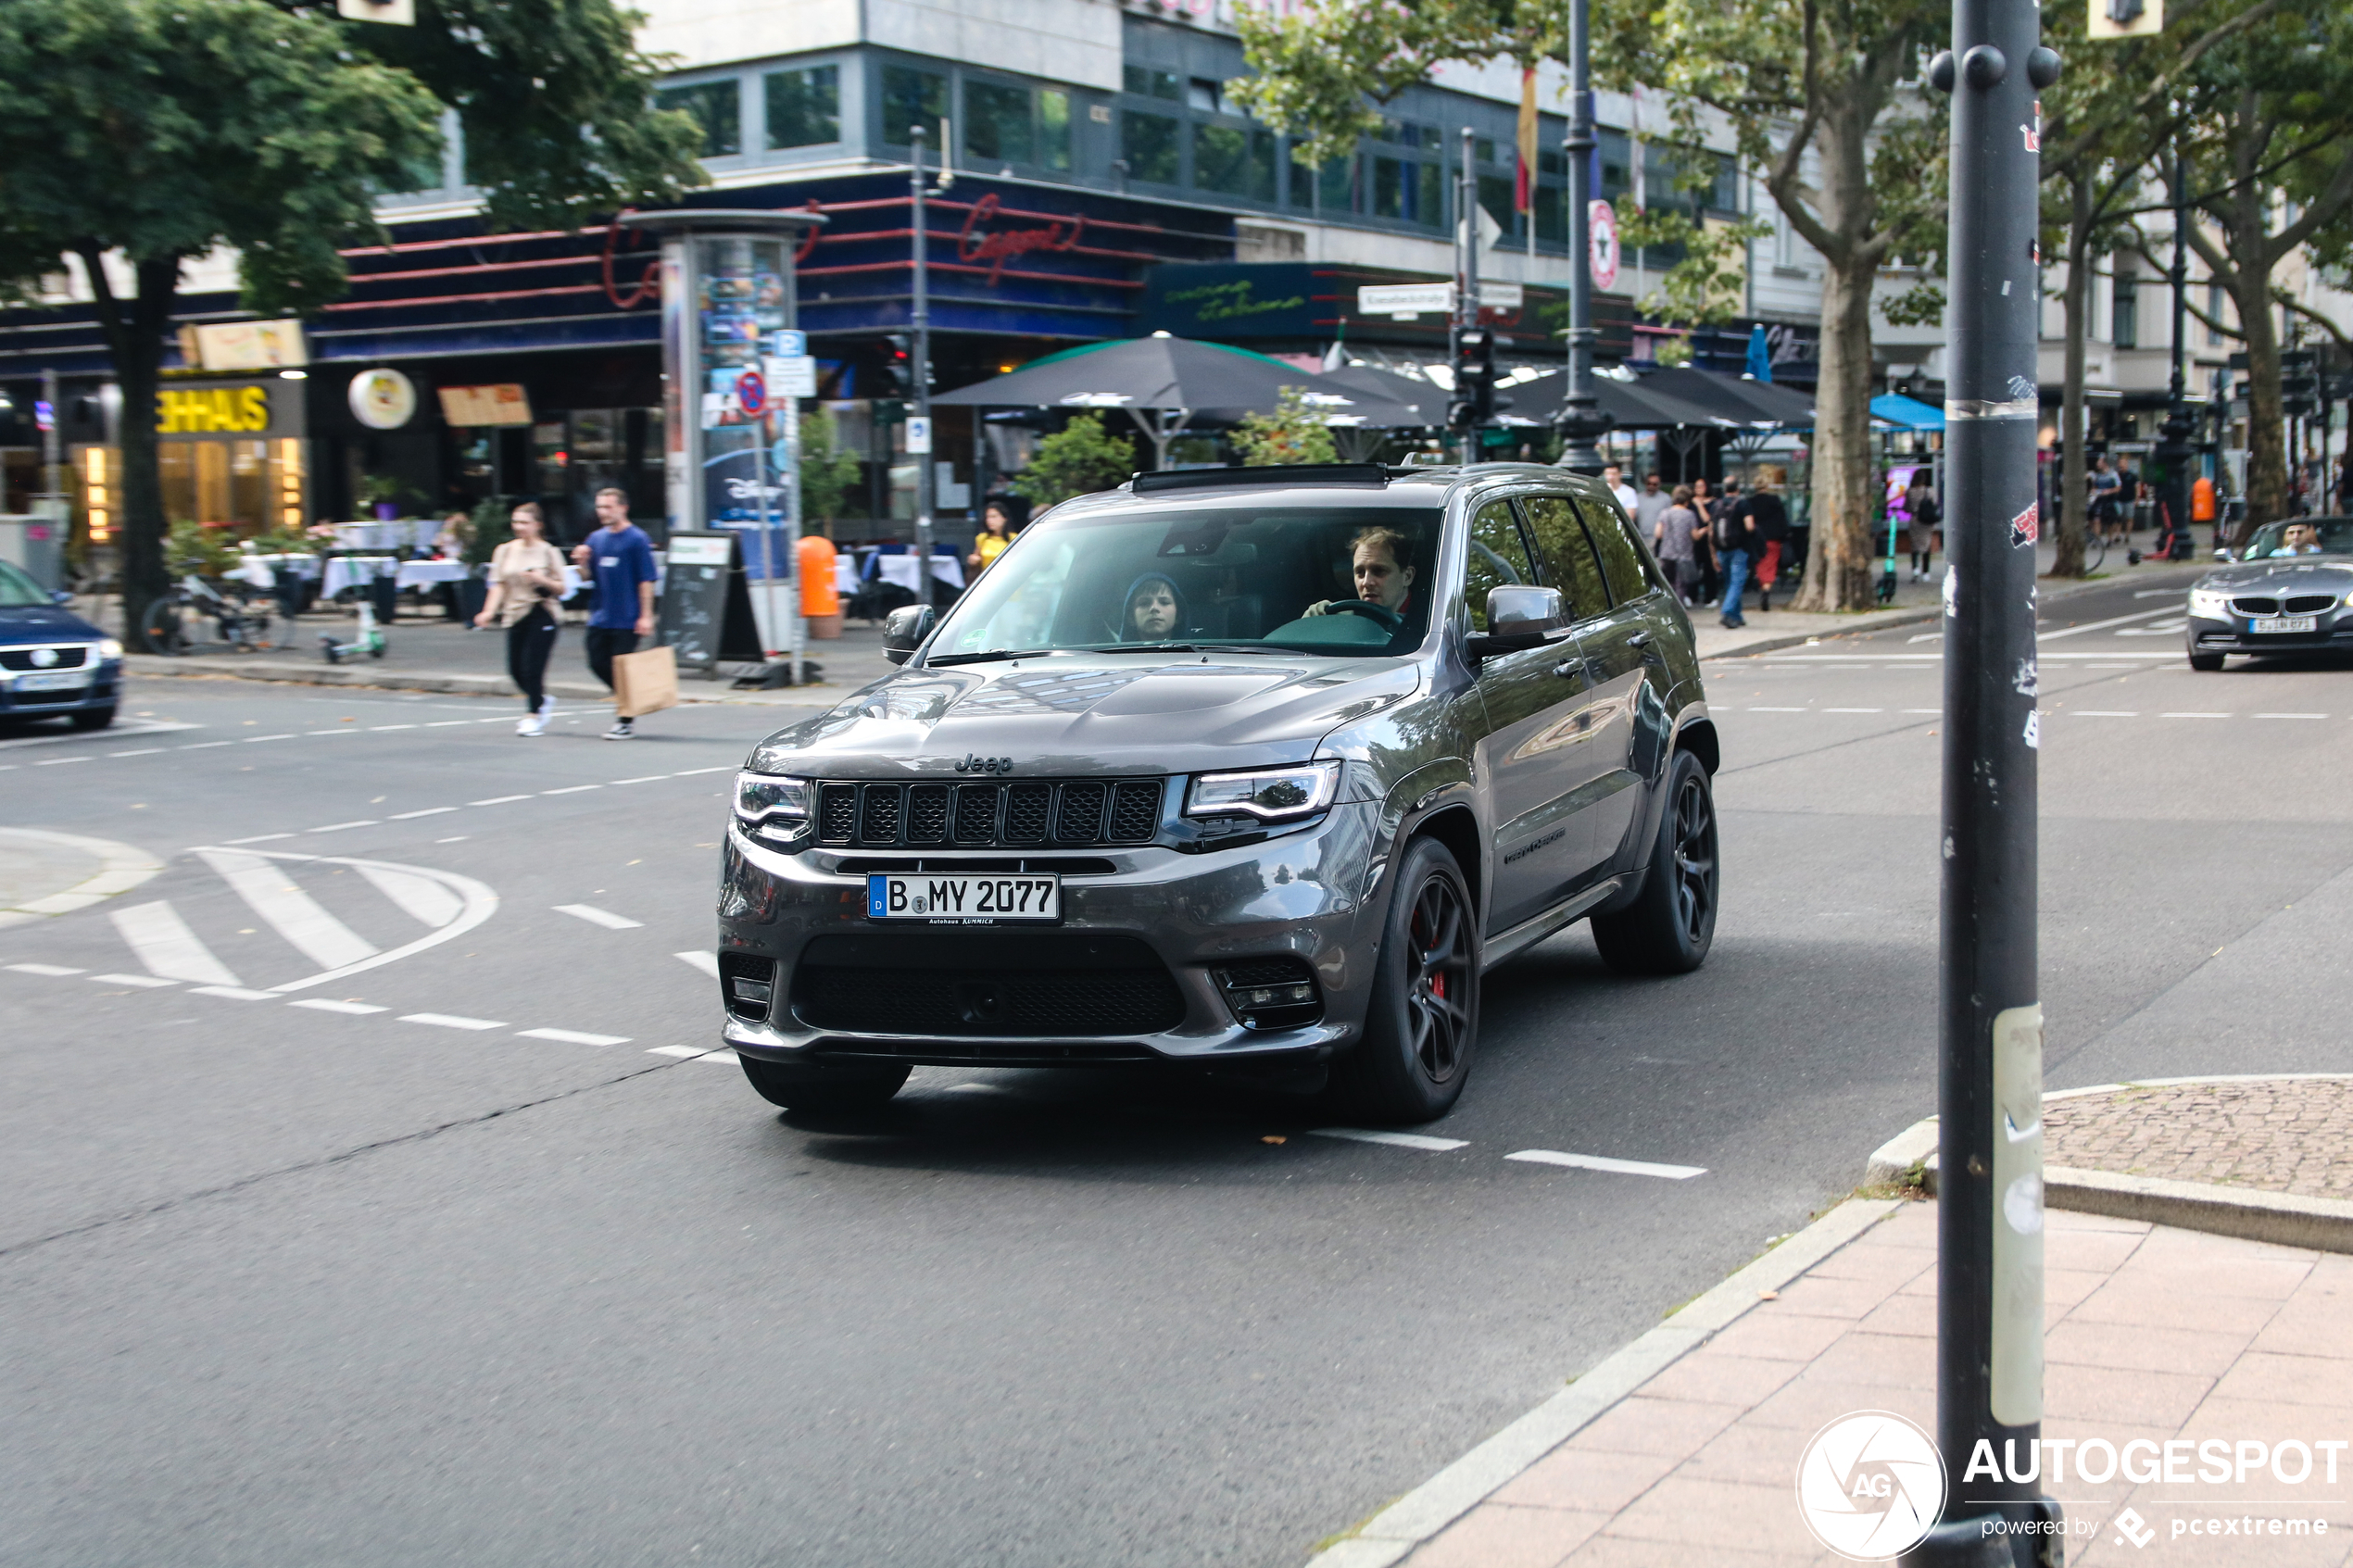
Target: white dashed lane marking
x,y
573,1037
1422,1141
1601,1163
707,962
49,969
450,1021
596,916
328,1004
695,1053
141,980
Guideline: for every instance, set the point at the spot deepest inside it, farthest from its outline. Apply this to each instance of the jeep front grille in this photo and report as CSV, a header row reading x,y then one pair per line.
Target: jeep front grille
x,y
984,816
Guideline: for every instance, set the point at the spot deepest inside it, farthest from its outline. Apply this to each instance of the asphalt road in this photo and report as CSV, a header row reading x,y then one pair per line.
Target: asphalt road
x,y
479,1262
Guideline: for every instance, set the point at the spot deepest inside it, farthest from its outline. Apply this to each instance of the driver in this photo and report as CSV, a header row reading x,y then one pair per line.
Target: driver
x,y
1382,576
1154,609
2300,539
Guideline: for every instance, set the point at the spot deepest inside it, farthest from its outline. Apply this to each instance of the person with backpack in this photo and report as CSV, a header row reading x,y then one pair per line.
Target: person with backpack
x,y
1735,539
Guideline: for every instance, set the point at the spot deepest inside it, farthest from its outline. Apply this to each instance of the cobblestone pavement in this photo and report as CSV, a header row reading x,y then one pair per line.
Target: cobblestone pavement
x,y
2278,1135
2168,1336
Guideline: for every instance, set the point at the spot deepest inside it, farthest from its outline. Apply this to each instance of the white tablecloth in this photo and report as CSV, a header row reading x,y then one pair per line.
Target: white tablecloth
x,y
261,570
417,574
351,571
902,571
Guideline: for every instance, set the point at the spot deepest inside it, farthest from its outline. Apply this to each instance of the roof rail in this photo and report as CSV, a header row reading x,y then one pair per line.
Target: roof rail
x,y
1287,475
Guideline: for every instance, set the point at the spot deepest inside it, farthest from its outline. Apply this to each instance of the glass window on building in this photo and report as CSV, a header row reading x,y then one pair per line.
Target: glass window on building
x,y
1499,194
1148,143
911,98
416,174
1053,129
1302,180
1233,161
1340,182
1145,82
1614,152
2126,318
997,124
717,107
804,106
1205,95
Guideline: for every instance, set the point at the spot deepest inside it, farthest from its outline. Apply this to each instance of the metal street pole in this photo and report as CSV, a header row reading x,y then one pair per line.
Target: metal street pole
x,y
1580,420
921,370
1989,1319
2173,435
1466,289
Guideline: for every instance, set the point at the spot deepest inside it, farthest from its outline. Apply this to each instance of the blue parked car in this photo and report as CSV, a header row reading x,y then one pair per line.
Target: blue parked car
x,y
52,663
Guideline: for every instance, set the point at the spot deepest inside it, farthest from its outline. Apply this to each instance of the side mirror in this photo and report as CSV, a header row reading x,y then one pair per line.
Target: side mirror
x,y
904,630
59,596
1518,616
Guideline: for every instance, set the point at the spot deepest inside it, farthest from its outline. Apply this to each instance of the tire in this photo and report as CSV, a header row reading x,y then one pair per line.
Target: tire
x,y
94,718
1422,1024
164,629
1669,926
799,1089
2209,663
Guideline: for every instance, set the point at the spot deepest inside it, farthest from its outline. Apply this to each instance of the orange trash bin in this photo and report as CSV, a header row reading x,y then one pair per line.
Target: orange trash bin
x,y
820,600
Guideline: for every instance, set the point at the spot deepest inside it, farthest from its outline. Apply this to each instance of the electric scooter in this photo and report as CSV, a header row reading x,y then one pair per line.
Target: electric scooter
x,y
370,639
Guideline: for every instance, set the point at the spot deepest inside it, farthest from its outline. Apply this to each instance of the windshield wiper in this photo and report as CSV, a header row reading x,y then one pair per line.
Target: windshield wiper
x,y
939,659
1182,647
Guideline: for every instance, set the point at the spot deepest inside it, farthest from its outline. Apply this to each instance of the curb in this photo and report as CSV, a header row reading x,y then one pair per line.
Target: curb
x,y
2322,1224
1881,619
1456,1490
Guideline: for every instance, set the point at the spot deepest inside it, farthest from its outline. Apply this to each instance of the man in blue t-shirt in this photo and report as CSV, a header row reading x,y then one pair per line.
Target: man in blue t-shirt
x,y
621,558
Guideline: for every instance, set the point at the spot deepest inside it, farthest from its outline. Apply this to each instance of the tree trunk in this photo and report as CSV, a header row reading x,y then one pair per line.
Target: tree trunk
x,y
135,340
2266,492
1839,557
2074,466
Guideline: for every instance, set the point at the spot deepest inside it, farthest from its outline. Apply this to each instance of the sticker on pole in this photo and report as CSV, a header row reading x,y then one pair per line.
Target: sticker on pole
x,y
1870,1484
2027,527
1601,244
752,393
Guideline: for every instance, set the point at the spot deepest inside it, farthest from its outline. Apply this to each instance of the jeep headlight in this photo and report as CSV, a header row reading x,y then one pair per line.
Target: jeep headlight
x,y
1270,794
769,798
2209,604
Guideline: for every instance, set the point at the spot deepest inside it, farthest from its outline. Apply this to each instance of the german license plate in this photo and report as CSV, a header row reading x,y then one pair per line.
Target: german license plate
x,y
963,899
2285,623
55,681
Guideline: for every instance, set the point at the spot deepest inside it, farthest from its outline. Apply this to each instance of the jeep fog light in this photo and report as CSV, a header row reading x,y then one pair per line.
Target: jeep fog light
x,y
1278,993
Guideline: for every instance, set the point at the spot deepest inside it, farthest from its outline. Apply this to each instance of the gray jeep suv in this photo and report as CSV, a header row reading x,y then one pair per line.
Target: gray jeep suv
x,y
1256,770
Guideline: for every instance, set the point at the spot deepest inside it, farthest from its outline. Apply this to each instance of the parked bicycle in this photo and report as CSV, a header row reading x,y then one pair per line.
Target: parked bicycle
x,y
241,617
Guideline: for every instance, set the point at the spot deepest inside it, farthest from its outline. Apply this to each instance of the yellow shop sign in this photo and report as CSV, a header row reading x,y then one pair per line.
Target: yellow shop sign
x,y
212,410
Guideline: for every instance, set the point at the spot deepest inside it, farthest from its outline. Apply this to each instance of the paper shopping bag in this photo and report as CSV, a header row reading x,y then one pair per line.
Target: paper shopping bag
x,y
645,682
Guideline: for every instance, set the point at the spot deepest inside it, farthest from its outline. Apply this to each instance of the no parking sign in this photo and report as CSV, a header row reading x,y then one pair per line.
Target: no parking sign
x,y
752,393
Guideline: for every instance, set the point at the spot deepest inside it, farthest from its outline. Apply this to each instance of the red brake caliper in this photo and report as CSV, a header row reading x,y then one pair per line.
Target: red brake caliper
x,y
1438,986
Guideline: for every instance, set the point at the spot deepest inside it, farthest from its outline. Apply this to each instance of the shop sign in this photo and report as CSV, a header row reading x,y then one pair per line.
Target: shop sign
x,y
973,244
382,398
212,410
244,345
503,403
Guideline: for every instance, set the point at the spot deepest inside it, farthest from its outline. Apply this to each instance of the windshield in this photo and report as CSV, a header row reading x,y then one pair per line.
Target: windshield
x,y
2310,536
18,591
1340,580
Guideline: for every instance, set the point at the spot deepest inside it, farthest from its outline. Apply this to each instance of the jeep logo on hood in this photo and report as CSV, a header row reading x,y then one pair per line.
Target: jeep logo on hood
x,y
972,764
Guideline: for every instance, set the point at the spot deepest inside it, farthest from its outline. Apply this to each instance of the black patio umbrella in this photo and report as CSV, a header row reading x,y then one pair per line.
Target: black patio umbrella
x,y
1164,383
1755,404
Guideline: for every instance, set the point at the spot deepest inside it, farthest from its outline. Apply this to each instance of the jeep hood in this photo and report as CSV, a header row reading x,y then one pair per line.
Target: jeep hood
x,y
1077,715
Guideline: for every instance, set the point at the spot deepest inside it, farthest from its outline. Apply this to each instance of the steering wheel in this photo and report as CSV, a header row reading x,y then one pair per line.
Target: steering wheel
x,y
1387,619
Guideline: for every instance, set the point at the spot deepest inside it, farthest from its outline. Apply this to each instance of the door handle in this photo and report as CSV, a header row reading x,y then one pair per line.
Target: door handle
x,y
1574,669
1638,640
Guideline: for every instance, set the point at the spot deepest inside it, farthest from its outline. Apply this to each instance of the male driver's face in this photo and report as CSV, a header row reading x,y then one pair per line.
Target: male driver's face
x,y
1380,580
2300,536
1613,475
611,510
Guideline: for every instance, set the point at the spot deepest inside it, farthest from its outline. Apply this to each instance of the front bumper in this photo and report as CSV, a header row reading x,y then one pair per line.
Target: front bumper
x,y
1307,894
2334,633
101,691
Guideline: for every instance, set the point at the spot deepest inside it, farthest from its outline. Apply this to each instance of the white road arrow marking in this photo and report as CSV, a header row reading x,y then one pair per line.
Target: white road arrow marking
x,y
707,962
1600,1163
596,916
1401,1140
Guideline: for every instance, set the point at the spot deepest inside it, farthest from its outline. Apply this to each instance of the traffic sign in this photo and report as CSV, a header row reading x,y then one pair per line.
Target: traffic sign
x,y
752,393
918,434
1405,301
1600,244
788,344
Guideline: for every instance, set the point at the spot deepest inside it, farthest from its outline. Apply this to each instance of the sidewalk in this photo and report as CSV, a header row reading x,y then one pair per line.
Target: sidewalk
x,y
1683,1447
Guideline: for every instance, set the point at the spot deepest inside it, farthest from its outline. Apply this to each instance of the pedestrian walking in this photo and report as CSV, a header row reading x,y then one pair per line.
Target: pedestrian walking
x,y
1919,502
996,533
527,579
1652,502
1678,538
1768,522
1711,577
621,559
1614,477
1734,539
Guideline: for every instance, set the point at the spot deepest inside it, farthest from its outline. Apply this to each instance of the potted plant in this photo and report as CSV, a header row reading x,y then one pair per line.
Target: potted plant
x,y
381,493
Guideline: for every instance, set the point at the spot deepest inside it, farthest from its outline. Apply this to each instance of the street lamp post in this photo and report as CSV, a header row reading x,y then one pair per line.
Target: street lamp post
x,y
919,320
1989,1317
2173,435
1580,420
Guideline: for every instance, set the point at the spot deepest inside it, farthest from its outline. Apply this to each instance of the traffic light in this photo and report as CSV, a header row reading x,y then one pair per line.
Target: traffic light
x,y
1474,400
899,365
2299,383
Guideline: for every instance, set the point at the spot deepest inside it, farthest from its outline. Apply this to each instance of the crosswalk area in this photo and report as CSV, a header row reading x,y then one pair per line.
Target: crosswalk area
x,y
277,922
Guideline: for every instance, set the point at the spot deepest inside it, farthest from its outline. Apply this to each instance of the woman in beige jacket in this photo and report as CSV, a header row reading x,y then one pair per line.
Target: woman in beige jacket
x,y
526,580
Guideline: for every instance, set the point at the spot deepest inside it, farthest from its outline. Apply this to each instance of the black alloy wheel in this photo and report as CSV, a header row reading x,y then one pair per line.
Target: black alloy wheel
x,y
1421,1021
1671,923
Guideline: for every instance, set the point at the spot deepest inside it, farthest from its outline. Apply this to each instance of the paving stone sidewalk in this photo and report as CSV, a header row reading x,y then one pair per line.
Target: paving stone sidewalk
x,y
2151,1332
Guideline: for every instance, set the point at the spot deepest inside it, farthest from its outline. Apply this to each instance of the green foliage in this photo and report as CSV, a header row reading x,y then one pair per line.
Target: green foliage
x,y
1922,304
830,472
376,489
1704,287
1293,434
1078,459
192,547
493,528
